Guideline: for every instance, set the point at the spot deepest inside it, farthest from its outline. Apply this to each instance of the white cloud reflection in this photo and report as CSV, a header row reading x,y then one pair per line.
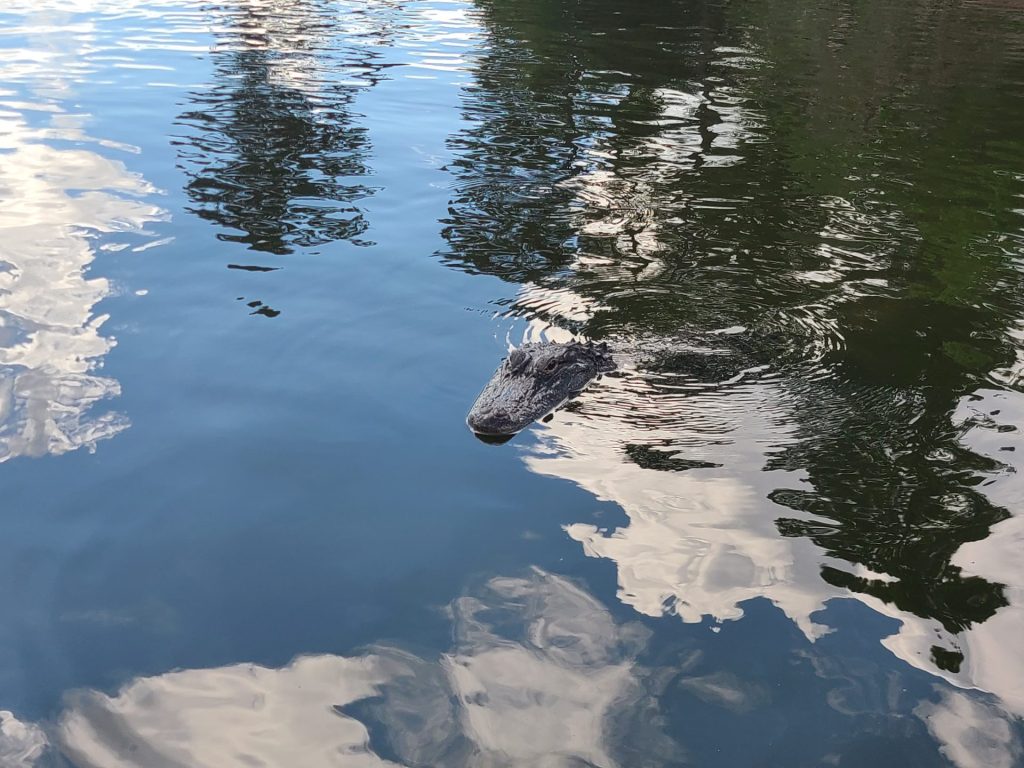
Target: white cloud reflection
x,y
991,649
57,200
241,715
700,542
972,734
539,675
21,744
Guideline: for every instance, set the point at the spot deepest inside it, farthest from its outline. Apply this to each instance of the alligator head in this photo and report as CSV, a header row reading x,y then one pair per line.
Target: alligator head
x,y
533,381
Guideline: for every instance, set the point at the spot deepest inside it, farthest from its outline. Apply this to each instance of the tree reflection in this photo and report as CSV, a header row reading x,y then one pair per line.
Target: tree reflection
x,y
273,152
707,167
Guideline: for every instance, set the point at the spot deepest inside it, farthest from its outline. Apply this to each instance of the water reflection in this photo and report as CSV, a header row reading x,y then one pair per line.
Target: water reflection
x,y
841,220
875,280
989,422
540,674
971,733
61,199
273,150
22,745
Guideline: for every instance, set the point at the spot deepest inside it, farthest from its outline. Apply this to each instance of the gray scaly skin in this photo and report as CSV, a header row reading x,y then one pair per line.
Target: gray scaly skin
x,y
532,381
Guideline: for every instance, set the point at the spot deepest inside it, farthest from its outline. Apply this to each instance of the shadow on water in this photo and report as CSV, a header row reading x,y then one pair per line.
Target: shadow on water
x,y
840,186
273,151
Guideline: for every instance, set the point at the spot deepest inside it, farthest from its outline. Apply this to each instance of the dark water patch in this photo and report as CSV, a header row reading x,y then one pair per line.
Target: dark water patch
x,y
252,268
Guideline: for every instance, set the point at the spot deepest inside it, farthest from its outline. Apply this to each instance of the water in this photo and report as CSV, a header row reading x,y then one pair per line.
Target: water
x,y
257,259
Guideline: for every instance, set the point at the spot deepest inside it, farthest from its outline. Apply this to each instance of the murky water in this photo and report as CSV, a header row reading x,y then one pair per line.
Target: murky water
x,y
258,257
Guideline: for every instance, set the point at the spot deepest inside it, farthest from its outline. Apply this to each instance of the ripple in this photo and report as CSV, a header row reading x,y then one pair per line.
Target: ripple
x,y
761,186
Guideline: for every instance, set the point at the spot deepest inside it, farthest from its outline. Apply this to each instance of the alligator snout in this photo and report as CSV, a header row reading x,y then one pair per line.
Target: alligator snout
x,y
490,421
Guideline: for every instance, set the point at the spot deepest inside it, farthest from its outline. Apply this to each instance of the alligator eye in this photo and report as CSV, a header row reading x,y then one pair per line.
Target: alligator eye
x,y
551,367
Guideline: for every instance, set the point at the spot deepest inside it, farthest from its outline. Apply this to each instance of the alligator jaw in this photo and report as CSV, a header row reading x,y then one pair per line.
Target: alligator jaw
x,y
493,439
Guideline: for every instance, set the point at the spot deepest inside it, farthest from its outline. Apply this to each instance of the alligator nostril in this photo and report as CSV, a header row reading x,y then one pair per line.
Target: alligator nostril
x,y
517,360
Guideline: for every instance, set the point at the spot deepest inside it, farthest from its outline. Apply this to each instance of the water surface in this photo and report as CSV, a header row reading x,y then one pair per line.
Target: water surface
x,y
258,257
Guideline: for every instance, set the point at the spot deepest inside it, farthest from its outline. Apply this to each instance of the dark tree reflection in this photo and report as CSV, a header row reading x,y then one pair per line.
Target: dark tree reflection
x,y
700,165
273,153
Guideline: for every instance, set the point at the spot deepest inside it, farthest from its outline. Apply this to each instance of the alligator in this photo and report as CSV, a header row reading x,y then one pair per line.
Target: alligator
x,y
538,378
534,380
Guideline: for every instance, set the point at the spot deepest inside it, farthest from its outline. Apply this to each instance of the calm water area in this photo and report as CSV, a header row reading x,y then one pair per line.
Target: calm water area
x,y
258,257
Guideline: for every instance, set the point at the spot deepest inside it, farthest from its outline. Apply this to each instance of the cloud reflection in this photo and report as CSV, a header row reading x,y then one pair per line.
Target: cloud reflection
x,y
702,538
58,200
21,744
738,183
540,674
973,734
